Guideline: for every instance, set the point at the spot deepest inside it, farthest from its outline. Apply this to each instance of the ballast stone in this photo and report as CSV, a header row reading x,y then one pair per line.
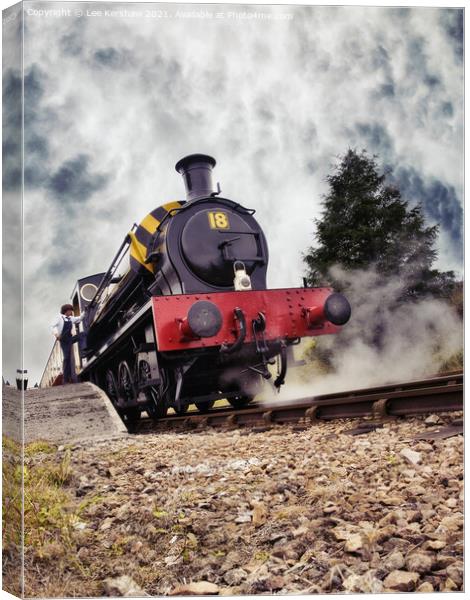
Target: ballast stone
x,y
196,588
419,562
123,586
411,456
402,581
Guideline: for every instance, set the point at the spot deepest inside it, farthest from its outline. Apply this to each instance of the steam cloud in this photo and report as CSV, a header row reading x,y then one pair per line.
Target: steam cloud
x,y
415,338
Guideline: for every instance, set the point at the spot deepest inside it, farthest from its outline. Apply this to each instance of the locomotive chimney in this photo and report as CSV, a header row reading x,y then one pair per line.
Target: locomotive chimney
x,y
196,170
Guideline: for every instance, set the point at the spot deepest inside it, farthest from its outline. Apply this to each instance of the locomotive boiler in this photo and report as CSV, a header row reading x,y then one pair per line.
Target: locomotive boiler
x,y
183,315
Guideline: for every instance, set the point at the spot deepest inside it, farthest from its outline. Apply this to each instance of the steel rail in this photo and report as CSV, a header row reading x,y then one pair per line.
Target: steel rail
x,y
437,394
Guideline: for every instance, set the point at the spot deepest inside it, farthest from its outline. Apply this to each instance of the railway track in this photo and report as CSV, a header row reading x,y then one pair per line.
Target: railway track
x,y
443,393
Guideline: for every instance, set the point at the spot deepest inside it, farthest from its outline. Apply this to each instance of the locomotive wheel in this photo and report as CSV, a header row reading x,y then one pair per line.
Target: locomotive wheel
x,y
144,373
240,401
111,387
131,416
156,406
126,383
181,411
204,406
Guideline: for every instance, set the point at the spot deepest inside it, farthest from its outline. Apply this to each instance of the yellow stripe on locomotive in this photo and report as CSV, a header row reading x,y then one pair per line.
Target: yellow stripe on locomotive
x,y
138,253
141,238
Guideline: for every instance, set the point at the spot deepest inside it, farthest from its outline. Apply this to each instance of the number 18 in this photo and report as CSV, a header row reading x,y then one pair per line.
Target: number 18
x,y
218,220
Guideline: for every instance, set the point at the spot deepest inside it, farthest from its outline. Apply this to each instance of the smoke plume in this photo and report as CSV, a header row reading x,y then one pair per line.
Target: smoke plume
x,y
385,340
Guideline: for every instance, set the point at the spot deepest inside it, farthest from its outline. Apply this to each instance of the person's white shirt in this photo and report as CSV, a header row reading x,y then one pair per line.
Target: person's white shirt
x,y
58,324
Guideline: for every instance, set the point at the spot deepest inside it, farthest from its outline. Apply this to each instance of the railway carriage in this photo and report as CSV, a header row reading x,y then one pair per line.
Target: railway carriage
x,y
190,319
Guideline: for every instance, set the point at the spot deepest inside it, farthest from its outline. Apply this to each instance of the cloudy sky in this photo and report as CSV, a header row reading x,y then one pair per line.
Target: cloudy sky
x,y
112,101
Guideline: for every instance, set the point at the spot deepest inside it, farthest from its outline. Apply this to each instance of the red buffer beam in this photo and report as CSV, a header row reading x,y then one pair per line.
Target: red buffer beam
x,y
206,320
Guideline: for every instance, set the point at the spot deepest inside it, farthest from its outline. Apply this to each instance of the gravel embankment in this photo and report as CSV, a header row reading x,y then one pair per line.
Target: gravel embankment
x,y
277,511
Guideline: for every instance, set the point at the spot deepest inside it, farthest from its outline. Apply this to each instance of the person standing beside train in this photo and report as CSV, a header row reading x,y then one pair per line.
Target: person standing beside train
x,y
62,331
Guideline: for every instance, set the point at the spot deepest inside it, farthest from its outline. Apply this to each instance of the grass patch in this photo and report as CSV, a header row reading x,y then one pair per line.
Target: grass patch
x,y
47,509
51,519
262,556
453,363
39,447
12,476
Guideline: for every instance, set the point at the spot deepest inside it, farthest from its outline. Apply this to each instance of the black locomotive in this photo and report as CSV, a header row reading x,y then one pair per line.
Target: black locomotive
x,y
190,319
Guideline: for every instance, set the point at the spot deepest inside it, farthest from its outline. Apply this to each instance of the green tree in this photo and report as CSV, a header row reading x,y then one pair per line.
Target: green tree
x,y
366,223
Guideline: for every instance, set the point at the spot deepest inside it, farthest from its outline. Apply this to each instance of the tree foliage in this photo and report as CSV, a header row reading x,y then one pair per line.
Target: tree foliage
x,y
366,223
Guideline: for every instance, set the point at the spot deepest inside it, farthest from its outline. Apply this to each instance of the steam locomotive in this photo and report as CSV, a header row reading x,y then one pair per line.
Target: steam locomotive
x,y
190,320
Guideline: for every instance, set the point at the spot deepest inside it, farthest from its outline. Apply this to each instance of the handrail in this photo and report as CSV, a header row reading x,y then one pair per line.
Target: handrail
x,y
53,362
111,271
